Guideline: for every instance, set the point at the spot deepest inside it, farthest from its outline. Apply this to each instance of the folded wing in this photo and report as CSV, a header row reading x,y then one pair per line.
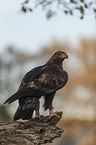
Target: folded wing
x,y
43,85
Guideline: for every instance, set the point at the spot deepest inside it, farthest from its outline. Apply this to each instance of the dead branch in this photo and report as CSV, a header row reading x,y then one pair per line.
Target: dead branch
x,y
35,131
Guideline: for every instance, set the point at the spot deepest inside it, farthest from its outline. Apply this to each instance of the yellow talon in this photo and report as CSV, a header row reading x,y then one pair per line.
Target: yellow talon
x,y
57,116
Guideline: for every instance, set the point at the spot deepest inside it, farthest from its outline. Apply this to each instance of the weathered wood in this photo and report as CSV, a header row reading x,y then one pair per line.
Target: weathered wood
x,y
34,132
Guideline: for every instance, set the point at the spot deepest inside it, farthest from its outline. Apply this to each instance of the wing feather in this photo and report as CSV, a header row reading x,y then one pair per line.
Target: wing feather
x,y
44,83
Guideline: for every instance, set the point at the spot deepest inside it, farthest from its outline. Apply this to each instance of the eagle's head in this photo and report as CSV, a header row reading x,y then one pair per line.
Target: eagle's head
x,y
58,57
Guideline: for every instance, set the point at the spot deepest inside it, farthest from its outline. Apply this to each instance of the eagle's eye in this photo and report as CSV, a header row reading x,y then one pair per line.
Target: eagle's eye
x,y
59,54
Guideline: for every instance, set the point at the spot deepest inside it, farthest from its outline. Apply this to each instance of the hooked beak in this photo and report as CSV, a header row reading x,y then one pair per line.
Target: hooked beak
x,y
66,56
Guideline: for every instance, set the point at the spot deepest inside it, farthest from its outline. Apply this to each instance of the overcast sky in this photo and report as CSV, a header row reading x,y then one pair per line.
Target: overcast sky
x,y
31,31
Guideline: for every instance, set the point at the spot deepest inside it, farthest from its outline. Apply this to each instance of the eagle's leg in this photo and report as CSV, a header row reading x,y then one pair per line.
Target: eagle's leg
x,y
37,109
51,113
51,110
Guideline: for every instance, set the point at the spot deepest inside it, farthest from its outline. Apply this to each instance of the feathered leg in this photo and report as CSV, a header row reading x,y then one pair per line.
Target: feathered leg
x,y
37,109
51,110
48,102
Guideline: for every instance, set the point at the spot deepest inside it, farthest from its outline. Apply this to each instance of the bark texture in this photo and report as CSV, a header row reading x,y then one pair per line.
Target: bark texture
x,y
34,132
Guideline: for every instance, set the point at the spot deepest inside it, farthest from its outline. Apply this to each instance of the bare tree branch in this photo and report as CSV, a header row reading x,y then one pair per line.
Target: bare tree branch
x,y
36,131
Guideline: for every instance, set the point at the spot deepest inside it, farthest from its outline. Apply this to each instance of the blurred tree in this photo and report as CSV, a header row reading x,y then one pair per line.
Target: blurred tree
x,y
81,67
69,7
4,114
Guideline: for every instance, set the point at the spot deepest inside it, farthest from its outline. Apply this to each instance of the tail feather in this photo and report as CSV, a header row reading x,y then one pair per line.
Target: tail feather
x,y
23,114
27,105
17,114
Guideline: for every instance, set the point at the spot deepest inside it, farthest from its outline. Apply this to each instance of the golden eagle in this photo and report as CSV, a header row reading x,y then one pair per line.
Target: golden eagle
x,y
41,81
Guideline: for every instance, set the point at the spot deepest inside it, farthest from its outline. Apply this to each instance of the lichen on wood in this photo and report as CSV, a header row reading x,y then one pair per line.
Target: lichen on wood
x,y
34,132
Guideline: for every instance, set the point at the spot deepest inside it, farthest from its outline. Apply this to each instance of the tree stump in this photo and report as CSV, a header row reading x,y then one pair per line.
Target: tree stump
x,y
34,132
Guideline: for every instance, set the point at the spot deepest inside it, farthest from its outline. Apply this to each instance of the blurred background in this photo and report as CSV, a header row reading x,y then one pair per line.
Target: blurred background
x,y
28,40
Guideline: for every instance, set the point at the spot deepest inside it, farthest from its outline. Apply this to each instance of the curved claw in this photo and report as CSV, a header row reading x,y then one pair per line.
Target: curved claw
x,y
56,115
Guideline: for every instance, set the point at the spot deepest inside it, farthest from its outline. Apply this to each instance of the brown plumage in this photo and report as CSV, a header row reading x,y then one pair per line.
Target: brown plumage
x,y
41,81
